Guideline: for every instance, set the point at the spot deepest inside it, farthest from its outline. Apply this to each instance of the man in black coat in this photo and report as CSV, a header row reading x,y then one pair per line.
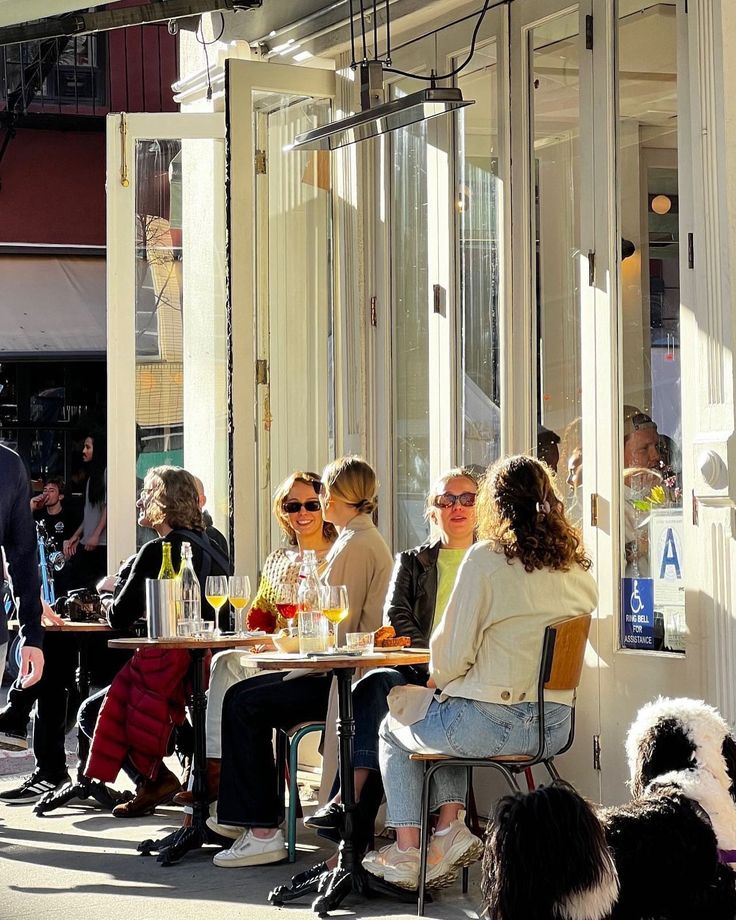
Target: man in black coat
x,y
18,541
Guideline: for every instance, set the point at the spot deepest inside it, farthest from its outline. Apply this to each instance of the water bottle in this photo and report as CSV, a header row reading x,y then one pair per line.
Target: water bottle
x,y
311,623
191,597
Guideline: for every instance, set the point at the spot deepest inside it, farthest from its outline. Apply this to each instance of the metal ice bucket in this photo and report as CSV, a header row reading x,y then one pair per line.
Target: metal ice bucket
x,y
163,602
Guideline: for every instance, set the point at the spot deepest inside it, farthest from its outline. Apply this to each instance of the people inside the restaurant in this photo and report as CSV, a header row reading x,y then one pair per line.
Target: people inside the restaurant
x,y
49,509
248,806
298,513
528,571
147,698
421,583
86,548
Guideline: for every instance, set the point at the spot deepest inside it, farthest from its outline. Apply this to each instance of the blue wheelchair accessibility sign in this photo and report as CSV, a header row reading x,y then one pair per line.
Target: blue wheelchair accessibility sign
x,y
637,613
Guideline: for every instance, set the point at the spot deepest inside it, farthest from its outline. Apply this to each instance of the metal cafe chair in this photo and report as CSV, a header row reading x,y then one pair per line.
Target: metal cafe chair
x,y
563,651
288,756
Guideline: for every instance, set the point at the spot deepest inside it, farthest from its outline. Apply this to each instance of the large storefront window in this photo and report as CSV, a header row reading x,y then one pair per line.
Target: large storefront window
x,y
555,112
410,339
652,595
479,218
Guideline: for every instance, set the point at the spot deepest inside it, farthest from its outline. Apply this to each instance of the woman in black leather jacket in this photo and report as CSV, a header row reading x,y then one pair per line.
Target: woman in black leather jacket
x,y
420,586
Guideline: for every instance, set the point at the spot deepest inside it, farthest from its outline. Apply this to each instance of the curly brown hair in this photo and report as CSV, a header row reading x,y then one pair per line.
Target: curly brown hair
x,y
280,496
513,516
172,497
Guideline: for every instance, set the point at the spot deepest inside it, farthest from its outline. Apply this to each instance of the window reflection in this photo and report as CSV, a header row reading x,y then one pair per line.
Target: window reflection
x,y
478,209
650,321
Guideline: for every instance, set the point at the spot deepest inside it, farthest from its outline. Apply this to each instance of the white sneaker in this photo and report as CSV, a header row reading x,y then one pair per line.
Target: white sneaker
x,y
225,830
394,865
451,852
249,850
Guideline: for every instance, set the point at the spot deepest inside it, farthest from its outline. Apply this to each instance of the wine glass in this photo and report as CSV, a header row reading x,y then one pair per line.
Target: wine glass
x,y
287,602
215,590
239,597
334,602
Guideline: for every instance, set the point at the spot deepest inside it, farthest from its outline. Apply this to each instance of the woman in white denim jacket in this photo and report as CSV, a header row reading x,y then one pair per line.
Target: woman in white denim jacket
x,y
528,572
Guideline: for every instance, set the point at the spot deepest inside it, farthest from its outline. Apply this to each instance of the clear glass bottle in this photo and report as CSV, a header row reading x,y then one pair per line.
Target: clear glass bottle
x,y
167,570
311,624
191,595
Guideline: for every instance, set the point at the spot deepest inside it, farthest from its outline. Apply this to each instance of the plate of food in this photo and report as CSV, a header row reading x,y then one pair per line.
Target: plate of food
x,y
386,640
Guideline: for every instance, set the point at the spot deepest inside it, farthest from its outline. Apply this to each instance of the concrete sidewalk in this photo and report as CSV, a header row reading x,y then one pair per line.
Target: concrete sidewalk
x,y
80,863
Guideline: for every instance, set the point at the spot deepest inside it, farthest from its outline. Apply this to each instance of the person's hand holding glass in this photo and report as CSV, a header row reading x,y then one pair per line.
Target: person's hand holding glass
x,y
334,601
216,591
239,598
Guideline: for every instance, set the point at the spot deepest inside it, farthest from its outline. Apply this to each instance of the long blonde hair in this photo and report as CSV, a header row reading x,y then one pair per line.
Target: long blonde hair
x,y
353,480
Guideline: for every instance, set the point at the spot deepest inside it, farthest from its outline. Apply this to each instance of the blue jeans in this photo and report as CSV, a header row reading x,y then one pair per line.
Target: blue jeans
x,y
370,706
466,728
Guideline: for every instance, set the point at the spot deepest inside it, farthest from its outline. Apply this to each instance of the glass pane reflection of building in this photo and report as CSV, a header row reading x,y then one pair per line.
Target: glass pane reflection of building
x,y
649,304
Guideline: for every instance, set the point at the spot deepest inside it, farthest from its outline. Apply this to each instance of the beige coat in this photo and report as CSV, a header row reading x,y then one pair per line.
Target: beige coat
x,y
360,560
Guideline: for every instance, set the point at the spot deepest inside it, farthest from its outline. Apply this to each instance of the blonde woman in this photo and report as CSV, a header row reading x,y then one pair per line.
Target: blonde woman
x,y
421,583
529,571
248,805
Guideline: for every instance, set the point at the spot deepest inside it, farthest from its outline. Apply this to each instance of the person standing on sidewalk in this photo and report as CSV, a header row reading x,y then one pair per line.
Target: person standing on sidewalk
x,y
18,541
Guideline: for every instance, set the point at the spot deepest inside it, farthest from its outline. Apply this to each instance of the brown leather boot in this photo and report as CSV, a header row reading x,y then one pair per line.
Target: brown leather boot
x,y
149,794
213,784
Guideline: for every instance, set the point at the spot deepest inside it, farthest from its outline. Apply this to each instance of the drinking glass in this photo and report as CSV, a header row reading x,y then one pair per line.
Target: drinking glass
x,y
287,602
215,590
312,631
239,597
334,602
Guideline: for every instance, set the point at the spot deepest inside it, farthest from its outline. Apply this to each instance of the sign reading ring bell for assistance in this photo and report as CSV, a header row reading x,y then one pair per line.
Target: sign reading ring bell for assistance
x,y
637,613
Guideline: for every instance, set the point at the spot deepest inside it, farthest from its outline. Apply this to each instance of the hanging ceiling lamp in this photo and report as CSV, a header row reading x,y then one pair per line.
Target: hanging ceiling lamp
x,y
377,116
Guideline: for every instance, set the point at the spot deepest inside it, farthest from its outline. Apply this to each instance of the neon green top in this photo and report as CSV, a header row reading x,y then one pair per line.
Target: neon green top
x,y
448,562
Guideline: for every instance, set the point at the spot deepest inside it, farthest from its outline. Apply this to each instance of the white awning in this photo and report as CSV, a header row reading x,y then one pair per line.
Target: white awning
x,y
52,306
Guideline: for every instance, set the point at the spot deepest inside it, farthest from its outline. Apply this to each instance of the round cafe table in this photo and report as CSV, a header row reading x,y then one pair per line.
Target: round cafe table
x,y
172,847
333,886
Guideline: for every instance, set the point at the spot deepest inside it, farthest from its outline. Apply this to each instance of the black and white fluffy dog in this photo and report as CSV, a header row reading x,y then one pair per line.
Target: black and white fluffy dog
x,y
669,854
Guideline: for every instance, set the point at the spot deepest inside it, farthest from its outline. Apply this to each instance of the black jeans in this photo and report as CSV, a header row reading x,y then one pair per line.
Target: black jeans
x,y
57,697
252,709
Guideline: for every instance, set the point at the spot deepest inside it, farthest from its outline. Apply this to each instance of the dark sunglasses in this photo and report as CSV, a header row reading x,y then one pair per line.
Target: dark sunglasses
x,y
295,507
448,500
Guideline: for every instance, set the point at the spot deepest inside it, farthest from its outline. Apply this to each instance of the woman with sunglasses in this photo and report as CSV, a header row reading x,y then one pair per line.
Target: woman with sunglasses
x,y
421,583
248,806
297,510
529,571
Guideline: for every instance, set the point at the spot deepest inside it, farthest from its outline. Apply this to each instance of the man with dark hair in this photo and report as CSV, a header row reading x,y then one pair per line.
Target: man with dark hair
x,y
18,541
48,508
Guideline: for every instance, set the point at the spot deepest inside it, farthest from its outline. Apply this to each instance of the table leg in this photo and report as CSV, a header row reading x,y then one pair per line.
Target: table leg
x,y
171,848
83,787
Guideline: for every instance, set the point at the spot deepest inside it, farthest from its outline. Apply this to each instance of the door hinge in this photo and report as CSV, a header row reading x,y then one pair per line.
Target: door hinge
x,y
437,298
690,251
591,267
596,752
695,509
260,162
588,33
374,314
124,180
261,372
593,509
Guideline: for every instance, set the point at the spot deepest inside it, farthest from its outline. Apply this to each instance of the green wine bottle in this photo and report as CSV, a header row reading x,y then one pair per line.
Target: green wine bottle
x,y
167,570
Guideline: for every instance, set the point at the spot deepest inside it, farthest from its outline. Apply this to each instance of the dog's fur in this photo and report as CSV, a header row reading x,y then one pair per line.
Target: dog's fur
x,y
550,856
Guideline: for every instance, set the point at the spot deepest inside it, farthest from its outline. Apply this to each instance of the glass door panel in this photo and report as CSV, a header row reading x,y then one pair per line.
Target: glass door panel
x,y
554,89
166,311
653,594
410,221
478,205
294,270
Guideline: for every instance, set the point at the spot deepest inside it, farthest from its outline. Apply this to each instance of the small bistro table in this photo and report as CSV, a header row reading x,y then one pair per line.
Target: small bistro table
x,y
83,787
334,885
172,847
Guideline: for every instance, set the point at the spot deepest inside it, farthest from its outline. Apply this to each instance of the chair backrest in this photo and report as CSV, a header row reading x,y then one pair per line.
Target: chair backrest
x,y
564,652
